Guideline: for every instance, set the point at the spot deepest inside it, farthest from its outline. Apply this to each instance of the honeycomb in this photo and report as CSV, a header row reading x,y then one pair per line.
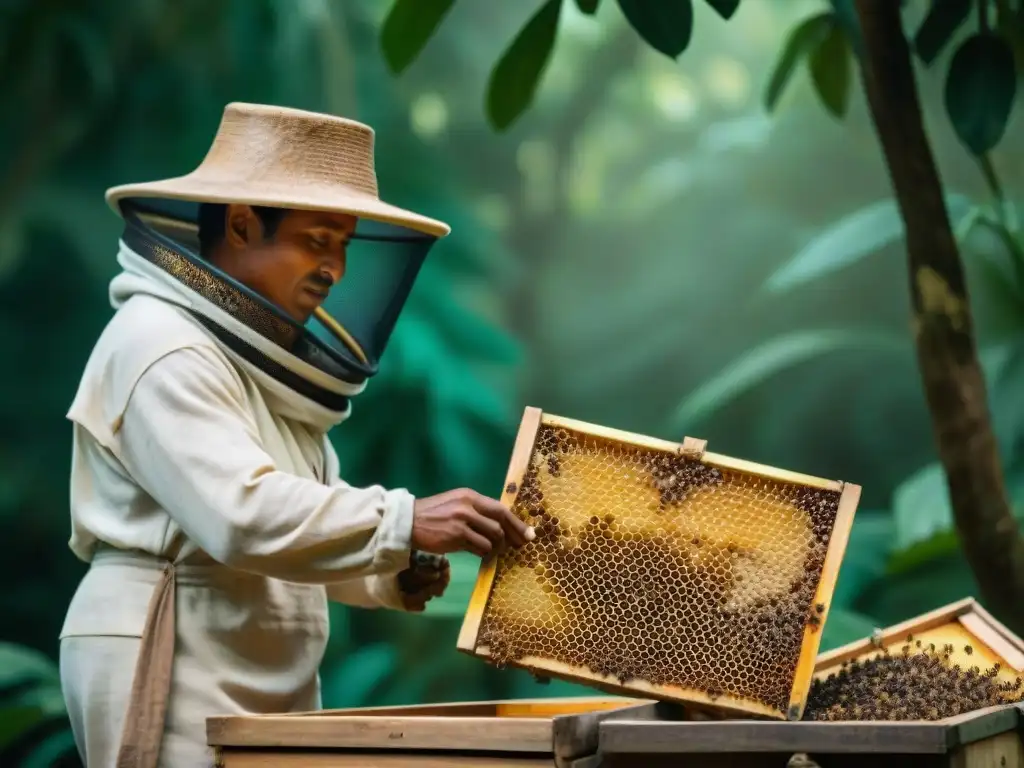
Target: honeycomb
x,y
919,682
649,566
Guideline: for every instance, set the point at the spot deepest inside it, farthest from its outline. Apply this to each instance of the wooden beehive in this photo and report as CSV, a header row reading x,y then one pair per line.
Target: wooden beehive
x,y
962,624
502,734
661,571
944,663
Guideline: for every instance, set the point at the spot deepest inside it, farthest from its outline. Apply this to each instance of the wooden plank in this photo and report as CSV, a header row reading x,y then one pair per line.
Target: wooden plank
x,y
1015,640
718,760
981,724
467,709
318,732
895,634
518,465
300,759
565,705
996,642
638,737
712,459
1002,751
823,596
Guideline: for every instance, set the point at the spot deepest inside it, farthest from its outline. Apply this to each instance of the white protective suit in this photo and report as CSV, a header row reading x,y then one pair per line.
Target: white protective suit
x,y
201,484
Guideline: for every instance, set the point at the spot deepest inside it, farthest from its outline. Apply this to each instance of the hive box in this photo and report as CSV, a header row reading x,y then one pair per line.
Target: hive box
x,y
661,571
495,734
984,739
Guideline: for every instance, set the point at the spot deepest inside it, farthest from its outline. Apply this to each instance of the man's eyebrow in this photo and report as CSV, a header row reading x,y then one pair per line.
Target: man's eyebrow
x,y
326,223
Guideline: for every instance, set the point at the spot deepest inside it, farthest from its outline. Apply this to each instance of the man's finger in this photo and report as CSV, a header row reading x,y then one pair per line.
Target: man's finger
x,y
522,531
492,529
477,544
517,531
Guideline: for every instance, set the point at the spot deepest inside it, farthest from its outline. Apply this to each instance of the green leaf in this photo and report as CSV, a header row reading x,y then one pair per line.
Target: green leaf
x,y
921,506
21,667
724,8
761,363
515,77
844,626
944,18
803,39
57,748
846,17
16,721
934,584
853,237
1005,399
940,545
980,89
830,71
408,27
867,554
589,7
923,513
666,25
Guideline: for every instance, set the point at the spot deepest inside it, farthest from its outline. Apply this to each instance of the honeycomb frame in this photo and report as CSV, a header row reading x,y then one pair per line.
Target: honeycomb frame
x,y
962,623
472,639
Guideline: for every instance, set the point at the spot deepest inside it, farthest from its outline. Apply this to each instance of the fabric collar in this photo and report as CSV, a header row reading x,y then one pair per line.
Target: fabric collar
x,y
294,388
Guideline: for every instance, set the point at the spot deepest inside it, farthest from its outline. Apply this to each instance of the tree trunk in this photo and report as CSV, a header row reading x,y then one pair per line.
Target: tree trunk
x,y
943,330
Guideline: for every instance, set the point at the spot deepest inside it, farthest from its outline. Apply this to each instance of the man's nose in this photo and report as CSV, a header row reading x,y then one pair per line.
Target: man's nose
x,y
333,267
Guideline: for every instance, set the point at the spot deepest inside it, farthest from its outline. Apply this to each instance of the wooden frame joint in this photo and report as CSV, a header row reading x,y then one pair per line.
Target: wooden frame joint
x,y
693,448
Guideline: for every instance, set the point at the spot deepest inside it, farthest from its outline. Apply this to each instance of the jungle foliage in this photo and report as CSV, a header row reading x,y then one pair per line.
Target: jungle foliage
x,y
638,245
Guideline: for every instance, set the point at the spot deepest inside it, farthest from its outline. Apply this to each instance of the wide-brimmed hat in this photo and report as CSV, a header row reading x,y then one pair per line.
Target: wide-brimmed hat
x,y
285,158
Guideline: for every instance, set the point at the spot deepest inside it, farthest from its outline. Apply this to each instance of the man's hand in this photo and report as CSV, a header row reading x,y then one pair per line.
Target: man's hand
x,y
424,579
464,520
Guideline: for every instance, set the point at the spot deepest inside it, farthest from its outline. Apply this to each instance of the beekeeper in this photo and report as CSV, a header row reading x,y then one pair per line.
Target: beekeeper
x,y
256,297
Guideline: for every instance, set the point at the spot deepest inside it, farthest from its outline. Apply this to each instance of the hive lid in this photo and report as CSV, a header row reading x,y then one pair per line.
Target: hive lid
x,y
643,542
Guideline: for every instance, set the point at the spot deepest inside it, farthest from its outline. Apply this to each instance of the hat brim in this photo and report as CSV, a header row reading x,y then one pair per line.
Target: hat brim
x,y
311,198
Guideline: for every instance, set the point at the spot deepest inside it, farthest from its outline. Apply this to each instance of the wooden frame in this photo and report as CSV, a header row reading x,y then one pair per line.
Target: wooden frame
x,y
529,732
964,621
988,737
533,419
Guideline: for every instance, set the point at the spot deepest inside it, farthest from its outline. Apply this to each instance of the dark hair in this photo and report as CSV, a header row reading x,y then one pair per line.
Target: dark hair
x,y
212,221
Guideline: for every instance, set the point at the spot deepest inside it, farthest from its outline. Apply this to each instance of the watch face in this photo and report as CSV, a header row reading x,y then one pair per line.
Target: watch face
x,y
427,560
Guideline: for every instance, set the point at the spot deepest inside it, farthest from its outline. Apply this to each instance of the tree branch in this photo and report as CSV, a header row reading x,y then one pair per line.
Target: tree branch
x,y
947,354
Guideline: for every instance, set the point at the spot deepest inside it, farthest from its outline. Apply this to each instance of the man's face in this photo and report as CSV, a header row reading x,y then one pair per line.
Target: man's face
x,y
296,267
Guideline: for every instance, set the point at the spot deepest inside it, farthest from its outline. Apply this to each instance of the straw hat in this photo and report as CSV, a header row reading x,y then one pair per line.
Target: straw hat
x,y
285,158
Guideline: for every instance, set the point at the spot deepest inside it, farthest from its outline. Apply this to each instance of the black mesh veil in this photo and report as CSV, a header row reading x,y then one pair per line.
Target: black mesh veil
x,y
383,261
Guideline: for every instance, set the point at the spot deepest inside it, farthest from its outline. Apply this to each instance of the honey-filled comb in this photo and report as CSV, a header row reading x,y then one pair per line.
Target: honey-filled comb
x,y
661,571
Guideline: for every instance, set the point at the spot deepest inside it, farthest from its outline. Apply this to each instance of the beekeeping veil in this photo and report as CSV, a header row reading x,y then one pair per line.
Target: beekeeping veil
x,y
284,158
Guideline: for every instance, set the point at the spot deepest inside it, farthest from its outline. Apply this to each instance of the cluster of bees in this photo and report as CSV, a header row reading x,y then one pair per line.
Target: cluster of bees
x,y
918,683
